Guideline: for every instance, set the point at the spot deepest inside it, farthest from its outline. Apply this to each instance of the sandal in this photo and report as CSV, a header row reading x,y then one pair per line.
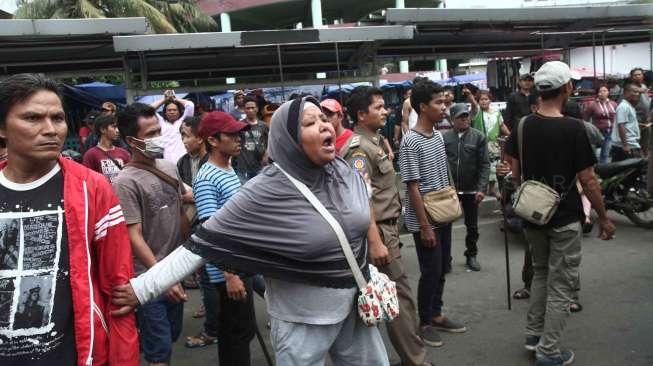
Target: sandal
x,y
575,307
200,340
522,294
200,313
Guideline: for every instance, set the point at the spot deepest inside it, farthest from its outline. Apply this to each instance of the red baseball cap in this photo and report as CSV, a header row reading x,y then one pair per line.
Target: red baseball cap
x,y
332,105
214,122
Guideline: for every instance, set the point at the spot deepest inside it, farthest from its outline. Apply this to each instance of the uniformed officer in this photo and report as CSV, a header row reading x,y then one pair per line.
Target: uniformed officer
x,y
366,153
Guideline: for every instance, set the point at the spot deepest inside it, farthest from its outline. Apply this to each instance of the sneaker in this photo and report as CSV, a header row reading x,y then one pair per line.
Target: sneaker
x,y
448,325
531,342
472,264
430,336
566,358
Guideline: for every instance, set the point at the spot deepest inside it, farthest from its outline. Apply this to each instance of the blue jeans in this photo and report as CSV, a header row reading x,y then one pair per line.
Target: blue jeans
x,y
433,264
605,148
159,322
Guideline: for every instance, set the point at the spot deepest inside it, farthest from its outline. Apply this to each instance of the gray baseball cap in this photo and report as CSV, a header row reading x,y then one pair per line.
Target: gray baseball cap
x,y
553,75
458,110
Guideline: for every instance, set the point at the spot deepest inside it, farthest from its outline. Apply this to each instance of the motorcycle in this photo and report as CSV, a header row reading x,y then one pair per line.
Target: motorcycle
x,y
624,190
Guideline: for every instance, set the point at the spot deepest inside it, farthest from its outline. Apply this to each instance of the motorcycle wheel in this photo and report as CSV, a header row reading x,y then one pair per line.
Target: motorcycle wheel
x,y
640,209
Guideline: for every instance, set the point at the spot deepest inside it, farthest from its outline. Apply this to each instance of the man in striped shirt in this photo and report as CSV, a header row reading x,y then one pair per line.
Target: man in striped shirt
x,y
214,184
423,163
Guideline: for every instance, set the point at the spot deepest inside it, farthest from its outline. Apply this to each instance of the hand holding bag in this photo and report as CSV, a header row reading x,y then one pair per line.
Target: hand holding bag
x,y
377,299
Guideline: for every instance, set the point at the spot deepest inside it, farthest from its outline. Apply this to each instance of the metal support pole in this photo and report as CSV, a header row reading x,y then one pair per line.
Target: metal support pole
x,y
339,78
143,65
129,91
225,22
594,54
650,46
542,46
283,85
603,46
404,66
316,13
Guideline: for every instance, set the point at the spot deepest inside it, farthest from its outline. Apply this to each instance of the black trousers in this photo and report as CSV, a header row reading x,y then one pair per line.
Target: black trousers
x,y
236,326
470,209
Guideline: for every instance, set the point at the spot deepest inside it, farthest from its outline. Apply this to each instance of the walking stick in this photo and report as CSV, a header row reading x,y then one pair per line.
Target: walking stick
x,y
504,199
261,341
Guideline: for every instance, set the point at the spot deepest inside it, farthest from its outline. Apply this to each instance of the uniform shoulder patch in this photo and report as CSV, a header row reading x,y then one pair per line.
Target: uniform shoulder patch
x,y
359,163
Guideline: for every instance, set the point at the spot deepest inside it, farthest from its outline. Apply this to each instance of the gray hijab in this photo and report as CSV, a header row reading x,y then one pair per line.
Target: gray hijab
x,y
269,228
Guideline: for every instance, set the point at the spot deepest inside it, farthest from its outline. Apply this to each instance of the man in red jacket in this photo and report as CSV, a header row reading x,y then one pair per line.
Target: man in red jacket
x,y
63,242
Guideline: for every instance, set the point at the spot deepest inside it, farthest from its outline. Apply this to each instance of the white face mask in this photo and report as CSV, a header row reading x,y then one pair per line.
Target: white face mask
x,y
153,147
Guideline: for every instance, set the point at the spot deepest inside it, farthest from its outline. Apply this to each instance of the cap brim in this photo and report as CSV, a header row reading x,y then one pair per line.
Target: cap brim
x,y
236,126
460,114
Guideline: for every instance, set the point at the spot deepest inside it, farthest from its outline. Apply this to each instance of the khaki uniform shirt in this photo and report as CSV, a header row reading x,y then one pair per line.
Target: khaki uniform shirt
x,y
365,153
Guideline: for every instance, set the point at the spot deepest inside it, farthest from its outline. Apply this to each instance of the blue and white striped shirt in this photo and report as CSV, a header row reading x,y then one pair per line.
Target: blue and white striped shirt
x,y
212,188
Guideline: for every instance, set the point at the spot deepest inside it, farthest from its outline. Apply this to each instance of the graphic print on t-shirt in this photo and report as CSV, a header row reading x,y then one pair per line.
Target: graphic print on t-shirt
x,y
30,247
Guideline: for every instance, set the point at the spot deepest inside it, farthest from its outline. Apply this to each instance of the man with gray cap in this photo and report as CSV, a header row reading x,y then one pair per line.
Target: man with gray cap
x,y
556,246
470,166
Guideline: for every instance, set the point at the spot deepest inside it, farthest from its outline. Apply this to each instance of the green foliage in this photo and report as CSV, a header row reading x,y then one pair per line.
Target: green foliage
x,y
164,17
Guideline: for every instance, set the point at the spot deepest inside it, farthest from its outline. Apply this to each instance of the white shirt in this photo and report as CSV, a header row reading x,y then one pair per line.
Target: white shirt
x,y
174,147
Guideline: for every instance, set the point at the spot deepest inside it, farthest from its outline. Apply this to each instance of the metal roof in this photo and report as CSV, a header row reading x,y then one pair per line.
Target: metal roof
x,y
461,33
187,41
64,47
517,15
206,60
72,27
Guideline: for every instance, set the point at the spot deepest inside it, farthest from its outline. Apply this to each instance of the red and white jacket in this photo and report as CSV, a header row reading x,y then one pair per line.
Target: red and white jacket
x,y
100,258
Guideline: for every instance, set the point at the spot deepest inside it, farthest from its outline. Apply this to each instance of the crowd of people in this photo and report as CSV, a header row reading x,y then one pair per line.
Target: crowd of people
x,y
104,247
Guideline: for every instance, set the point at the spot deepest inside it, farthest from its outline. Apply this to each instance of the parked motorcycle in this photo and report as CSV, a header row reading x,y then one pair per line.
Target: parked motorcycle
x,y
624,190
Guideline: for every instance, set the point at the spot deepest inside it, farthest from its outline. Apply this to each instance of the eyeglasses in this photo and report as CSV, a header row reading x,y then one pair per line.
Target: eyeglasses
x,y
108,110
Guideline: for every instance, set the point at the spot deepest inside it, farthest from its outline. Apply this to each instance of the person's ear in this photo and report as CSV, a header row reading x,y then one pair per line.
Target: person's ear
x,y
212,141
361,115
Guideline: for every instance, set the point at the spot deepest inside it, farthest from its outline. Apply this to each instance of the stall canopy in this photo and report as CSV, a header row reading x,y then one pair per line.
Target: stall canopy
x,y
105,91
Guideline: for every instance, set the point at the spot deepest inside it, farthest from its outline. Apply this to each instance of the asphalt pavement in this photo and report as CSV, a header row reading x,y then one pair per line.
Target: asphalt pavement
x,y
615,327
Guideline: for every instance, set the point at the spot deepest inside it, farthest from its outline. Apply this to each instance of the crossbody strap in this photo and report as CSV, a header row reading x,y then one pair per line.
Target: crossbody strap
x,y
520,142
342,238
174,183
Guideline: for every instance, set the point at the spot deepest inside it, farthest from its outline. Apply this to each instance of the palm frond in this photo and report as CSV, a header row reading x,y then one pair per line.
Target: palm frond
x,y
37,9
187,17
87,9
141,8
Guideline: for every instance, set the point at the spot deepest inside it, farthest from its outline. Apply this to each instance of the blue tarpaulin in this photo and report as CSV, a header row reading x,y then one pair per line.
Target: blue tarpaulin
x,y
105,91
402,85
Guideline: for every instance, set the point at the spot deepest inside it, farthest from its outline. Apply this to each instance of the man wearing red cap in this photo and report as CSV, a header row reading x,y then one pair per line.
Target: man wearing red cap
x,y
215,183
333,111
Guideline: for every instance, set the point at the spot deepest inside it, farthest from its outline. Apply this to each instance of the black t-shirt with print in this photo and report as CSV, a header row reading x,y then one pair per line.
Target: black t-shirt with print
x,y
253,143
555,150
36,311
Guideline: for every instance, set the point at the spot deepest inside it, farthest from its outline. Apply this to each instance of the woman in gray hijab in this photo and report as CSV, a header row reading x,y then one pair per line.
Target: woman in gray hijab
x,y
269,228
